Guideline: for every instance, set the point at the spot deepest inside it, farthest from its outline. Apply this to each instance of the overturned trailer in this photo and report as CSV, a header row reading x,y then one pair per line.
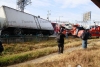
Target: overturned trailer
x,y
15,22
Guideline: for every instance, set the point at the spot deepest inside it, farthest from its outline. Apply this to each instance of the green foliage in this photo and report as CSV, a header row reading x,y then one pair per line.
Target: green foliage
x,y
17,58
20,52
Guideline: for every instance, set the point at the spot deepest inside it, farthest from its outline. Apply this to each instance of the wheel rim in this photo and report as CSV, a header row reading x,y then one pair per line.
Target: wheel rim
x,y
18,32
5,34
51,32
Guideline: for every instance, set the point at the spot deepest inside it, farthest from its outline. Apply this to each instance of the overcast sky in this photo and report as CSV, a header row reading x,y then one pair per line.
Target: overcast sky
x,y
71,10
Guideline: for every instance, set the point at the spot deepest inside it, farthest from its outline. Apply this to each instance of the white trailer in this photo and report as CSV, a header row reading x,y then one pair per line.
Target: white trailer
x,y
14,22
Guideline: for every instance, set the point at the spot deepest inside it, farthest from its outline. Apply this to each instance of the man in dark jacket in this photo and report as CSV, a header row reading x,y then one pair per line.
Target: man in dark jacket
x,y
85,37
60,41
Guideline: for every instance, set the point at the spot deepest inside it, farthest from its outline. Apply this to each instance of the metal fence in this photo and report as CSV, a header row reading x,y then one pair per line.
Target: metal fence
x,y
23,38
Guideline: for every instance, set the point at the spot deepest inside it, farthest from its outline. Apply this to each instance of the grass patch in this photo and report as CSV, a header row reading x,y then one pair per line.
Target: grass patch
x,y
17,58
20,52
89,57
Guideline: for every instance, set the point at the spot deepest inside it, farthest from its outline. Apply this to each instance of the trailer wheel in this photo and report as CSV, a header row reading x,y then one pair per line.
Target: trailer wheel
x,y
5,34
97,36
51,32
18,31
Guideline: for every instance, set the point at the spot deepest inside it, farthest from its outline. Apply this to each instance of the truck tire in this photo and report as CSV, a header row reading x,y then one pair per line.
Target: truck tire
x,y
51,32
5,34
18,31
97,36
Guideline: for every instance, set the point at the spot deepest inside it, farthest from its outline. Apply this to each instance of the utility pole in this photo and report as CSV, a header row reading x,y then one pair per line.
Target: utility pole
x,y
48,14
56,20
59,18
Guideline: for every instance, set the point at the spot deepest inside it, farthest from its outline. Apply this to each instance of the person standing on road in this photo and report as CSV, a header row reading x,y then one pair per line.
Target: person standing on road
x,y
84,38
60,40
